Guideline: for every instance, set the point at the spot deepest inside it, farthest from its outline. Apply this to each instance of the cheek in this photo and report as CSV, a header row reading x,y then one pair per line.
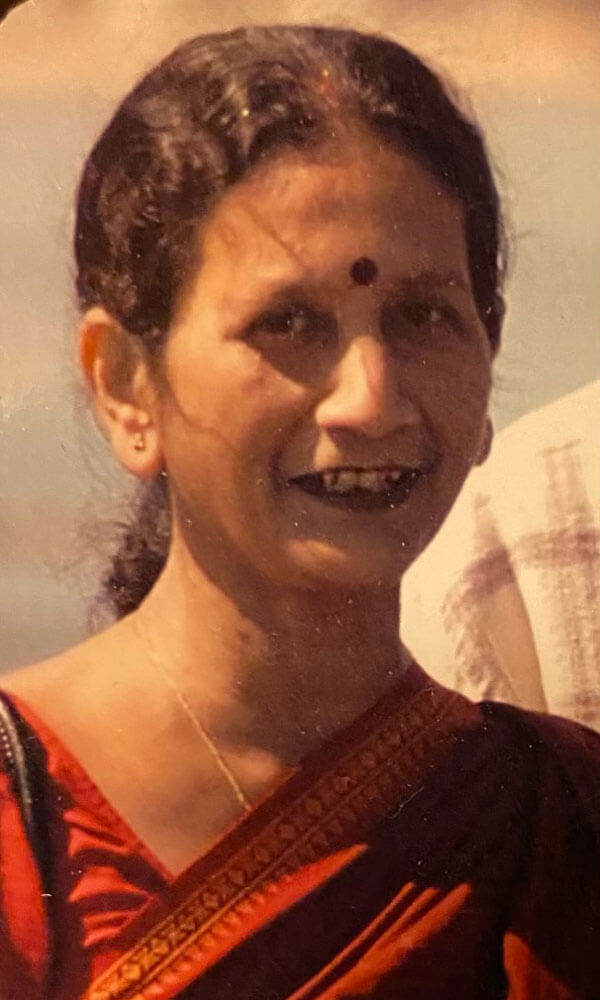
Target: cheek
x,y
458,403
267,396
475,393
239,400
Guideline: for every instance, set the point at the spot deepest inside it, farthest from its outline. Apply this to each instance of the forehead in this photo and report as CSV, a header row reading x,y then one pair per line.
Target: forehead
x,y
297,219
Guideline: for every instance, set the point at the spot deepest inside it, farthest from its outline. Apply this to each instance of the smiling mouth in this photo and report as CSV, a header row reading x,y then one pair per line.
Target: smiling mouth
x,y
361,489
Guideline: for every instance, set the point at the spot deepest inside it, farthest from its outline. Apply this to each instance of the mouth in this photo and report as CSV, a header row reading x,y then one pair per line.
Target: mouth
x,y
361,489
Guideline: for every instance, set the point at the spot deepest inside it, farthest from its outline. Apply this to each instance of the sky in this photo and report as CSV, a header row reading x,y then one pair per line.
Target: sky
x,y
530,69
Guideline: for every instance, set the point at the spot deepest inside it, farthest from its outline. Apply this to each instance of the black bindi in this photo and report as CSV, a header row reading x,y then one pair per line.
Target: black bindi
x,y
364,271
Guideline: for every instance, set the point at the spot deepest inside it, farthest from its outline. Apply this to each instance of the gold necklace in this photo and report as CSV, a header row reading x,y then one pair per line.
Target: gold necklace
x,y
202,731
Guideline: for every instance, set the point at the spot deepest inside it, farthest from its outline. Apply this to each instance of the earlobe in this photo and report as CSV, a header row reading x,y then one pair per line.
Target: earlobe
x,y
485,445
136,446
118,379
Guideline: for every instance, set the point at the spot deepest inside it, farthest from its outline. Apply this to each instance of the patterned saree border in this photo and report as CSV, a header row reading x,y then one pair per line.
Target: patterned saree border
x,y
357,792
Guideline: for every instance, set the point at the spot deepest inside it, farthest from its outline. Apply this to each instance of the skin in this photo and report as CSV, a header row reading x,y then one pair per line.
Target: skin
x,y
264,583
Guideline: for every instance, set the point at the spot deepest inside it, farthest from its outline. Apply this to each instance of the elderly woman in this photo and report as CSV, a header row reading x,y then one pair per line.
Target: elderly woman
x,y
288,252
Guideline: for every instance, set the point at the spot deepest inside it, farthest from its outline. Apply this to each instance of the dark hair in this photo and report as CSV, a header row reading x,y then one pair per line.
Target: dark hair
x,y
197,123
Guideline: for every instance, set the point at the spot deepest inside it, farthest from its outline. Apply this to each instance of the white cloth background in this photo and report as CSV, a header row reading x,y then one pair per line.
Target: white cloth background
x,y
505,602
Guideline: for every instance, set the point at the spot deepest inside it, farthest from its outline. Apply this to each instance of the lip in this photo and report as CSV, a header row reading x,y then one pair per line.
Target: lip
x,y
359,499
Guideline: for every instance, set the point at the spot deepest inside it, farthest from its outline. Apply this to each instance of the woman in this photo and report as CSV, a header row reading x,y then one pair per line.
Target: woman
x,y
288,252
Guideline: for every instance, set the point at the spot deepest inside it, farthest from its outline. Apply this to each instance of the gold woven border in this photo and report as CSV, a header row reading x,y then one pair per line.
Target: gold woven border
x,y
355,794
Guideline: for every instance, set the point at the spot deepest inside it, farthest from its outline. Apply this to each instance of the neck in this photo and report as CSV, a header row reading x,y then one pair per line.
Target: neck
x,y
279,670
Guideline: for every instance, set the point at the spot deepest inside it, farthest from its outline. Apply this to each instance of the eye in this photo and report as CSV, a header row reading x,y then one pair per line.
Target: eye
x,y
298,322
424,314
424,318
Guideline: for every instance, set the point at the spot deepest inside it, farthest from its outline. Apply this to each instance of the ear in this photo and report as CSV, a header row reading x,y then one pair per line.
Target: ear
x,y
485,444
118,377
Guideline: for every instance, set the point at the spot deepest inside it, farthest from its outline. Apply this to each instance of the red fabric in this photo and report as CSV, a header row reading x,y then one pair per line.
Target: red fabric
x,y
482,882
103,875
23,932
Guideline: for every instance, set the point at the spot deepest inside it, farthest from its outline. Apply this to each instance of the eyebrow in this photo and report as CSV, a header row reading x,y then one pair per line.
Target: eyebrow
x,y
426,282
430,281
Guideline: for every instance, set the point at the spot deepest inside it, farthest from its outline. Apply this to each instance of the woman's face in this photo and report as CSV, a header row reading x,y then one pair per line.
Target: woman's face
x,y
316,429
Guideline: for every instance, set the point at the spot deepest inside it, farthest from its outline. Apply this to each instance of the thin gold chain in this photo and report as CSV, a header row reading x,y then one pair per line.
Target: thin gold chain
x,y
203,733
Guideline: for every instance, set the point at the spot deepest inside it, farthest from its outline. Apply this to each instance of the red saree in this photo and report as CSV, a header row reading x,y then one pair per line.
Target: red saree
x,y
435,848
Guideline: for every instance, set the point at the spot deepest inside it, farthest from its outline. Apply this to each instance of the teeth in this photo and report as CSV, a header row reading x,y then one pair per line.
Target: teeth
x,y
372,480
346,480
375,480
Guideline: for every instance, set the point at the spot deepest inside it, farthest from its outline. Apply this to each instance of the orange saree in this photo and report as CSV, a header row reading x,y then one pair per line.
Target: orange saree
x,y
435,848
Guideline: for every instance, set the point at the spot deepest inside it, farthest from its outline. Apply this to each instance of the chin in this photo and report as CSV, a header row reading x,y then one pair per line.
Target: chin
x,y
318,564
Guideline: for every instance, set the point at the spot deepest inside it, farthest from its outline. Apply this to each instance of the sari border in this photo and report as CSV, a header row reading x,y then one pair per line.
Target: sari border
x,y
370,771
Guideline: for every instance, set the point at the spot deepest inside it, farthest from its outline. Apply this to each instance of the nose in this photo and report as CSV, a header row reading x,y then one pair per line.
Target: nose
x,y
365,394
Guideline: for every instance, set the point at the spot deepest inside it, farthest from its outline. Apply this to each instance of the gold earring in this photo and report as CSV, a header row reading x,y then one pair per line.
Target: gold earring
x,y
139,441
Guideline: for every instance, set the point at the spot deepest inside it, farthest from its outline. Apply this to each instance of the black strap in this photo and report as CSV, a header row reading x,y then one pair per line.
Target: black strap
x,y
25,762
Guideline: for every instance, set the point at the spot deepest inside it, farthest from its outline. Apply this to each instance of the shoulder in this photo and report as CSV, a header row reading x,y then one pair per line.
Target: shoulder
x,y
559,737
554,906
567,755
77,688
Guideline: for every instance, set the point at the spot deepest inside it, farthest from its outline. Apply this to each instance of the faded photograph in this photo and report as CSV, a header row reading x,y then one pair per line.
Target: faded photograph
x,y
300,529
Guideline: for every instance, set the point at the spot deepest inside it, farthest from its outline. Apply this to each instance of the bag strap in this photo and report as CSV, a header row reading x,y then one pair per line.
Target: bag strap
x,y
25,763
